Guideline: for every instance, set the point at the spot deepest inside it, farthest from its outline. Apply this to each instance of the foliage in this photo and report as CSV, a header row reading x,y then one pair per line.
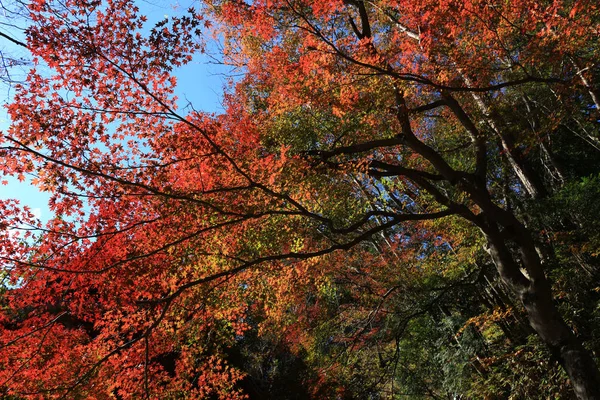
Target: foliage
x,y
398,201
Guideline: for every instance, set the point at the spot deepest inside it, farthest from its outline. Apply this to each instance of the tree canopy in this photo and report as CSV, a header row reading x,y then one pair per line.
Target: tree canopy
x,y
399,200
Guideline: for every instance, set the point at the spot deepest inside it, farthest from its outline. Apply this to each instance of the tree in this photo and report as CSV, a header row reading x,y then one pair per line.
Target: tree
x,y
376,162
10,61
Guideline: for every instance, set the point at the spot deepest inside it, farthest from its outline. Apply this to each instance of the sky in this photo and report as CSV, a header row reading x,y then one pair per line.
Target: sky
x,y
199,82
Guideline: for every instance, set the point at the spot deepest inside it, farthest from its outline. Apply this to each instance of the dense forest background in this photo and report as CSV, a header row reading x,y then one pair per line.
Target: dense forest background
x,y
398,201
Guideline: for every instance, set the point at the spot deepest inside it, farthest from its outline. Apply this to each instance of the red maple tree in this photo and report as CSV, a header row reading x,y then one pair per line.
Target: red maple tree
x,y
173,228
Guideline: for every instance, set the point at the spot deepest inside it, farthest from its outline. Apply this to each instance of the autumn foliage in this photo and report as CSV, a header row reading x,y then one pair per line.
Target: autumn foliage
x,y
397,200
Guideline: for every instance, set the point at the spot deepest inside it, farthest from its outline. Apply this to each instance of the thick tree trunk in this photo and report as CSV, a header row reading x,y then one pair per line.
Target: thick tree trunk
x,y
565,346
534,291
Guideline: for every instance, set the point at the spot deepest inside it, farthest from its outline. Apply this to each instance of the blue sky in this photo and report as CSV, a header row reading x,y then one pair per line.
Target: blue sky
x,y
199,82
